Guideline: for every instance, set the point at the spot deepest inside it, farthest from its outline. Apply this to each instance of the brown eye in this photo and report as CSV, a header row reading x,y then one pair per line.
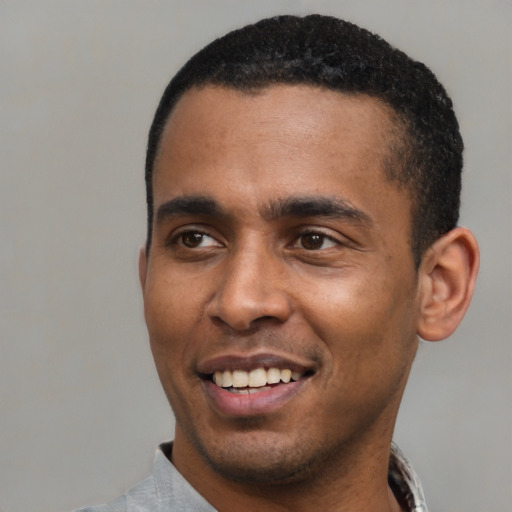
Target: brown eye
x,y
196,239
312,241
191,239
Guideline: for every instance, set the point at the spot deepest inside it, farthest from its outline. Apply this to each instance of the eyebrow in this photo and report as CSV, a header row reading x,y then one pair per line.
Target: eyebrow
x,y
187,205
313,206
303,206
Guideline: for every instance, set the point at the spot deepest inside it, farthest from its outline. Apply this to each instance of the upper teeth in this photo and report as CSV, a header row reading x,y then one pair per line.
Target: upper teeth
x,y
255,378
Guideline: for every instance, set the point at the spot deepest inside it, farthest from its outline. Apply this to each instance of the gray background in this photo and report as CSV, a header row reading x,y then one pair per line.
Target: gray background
x,y
81,409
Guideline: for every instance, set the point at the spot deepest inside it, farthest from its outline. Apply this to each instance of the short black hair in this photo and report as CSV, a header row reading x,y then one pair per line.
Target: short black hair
x,y
337,55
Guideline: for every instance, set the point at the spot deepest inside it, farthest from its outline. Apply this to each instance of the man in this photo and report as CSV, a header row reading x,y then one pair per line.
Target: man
x,y
303,182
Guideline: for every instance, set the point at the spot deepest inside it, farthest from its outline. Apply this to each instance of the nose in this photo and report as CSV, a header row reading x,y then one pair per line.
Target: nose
x,y
252,290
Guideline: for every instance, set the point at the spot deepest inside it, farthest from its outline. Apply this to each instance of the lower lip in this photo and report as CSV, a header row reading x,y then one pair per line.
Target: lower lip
x,y
251,404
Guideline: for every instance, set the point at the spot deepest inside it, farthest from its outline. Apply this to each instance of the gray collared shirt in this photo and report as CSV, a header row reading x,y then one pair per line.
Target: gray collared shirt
x,y
167,491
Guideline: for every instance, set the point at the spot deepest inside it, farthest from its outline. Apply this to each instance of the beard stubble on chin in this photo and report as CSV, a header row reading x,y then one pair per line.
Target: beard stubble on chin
x,y
263,463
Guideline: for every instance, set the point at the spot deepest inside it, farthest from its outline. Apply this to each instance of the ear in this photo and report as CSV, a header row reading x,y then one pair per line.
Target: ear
x,y
143,266
448,273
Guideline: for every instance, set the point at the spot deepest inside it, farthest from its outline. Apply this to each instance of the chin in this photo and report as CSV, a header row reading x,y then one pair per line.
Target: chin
x,y
260,461
248,470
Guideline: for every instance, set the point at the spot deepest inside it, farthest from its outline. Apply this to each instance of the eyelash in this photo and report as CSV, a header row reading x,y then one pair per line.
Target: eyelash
x,y
323,238
178,240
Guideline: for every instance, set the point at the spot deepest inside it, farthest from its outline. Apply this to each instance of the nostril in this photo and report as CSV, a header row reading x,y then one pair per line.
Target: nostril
x,y
266,319
230,326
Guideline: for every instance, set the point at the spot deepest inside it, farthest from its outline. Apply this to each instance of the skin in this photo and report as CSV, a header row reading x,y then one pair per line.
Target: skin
x,y
334,292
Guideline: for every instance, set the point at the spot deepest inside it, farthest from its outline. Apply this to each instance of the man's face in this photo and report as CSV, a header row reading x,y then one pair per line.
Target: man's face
x,y
279,245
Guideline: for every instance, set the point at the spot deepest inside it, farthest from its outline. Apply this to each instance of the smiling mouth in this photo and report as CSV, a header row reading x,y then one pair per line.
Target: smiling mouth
x,y
254,381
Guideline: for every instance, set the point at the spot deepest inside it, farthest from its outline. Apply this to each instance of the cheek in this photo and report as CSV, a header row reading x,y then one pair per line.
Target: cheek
x,y
367,333
166,319
364,321
168,327
174,312
167,305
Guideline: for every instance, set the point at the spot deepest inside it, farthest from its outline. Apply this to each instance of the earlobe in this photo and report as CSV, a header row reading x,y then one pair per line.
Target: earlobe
x,y
448,273
143,265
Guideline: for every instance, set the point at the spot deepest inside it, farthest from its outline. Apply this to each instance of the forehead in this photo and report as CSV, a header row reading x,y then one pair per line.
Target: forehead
x,y
202,109
281,137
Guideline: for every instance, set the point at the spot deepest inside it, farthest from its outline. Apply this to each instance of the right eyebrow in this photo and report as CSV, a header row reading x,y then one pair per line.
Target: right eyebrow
x,y
187,205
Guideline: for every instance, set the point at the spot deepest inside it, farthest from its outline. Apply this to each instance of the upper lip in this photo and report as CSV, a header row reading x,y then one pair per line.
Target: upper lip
x,y
248,362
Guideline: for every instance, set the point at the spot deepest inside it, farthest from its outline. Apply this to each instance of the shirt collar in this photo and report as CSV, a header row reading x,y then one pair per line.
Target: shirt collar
x,y
404,482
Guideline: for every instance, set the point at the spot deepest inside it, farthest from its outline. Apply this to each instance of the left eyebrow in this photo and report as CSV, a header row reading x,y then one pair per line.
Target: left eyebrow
x,y
313,206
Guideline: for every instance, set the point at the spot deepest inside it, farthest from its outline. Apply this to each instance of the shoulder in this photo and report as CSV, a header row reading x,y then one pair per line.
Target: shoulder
x,y
165,490
140,498
118,505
